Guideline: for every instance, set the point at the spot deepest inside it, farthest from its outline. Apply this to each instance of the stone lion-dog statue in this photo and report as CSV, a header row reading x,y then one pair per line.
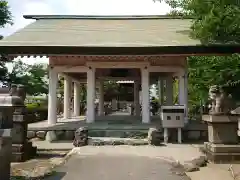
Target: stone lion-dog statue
x,y
221,102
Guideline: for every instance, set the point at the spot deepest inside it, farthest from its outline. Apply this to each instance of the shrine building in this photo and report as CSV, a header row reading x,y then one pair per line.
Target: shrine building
x,y
93,49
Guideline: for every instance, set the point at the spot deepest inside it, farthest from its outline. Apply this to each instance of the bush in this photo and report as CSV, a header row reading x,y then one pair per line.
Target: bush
x,y
36,112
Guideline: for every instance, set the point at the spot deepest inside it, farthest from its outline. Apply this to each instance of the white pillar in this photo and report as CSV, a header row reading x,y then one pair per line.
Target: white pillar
x,y
101,99
145,96
52,97
160,91
76,100
169,90
183,93
90,95
180,135
67,97
165,135
136,99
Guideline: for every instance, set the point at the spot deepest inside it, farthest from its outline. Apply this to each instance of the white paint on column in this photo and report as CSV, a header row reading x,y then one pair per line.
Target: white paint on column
x,y
52,97
186,96
101,99
183,94
180,135
76,99
145,96
90,95
181,87
67,97
169,91
160,91
165,135
136,99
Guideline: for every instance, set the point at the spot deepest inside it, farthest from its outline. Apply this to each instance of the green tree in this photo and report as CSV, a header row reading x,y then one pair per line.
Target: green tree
x,y
214,21
33,77
205,71
5,18
5,14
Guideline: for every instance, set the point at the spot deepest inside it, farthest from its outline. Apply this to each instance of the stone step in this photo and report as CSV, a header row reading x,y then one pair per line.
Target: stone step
x,y
119,133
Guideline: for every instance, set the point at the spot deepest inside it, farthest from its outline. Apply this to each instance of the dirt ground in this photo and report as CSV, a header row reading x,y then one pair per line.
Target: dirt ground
x,y
39,167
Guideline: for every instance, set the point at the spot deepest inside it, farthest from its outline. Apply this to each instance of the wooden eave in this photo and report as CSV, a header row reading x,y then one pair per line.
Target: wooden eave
x,y
149,50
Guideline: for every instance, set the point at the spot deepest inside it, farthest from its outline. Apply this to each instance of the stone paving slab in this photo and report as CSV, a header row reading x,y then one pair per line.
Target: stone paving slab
x,y
170,152
115,167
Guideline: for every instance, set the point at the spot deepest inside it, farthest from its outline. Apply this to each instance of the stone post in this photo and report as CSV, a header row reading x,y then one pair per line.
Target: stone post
x,y
22,150
7,103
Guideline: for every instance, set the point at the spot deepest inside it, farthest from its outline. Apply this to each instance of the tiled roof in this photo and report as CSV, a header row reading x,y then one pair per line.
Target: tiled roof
x,y
103,32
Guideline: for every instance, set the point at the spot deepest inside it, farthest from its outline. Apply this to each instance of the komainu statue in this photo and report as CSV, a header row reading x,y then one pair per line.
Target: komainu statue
x,y
21,92
222,102
13,90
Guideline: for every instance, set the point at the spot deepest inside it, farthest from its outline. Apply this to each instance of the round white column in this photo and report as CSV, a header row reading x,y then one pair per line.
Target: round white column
x,y
52,97
160,91
183,94
67,97
90,95
145,96
101,99
76,99
136,99
169,91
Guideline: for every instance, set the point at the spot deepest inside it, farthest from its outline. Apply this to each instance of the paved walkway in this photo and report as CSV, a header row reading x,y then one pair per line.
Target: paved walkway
x,y
125,162
137,159
109,167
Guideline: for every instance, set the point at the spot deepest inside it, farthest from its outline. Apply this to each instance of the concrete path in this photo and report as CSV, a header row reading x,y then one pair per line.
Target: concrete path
x,y
137,159
125,162
109,167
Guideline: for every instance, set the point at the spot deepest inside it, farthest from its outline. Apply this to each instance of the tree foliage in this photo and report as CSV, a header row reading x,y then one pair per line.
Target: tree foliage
x,y
214,21
205,71
5,14
33,77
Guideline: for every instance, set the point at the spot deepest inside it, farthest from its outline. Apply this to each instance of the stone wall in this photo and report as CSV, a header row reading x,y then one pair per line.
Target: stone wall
x,y
194,131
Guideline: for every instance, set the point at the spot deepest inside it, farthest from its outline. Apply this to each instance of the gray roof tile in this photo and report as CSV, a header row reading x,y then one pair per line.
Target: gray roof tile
x,y
103,33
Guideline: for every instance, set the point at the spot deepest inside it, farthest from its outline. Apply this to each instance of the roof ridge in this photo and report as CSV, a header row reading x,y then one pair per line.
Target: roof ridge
x,y
103,17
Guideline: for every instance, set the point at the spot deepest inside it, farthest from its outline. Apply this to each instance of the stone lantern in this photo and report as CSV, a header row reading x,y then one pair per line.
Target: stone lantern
x,y
9,105
22,149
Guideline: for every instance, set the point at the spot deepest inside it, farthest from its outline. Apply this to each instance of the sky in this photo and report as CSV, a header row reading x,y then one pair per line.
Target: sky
x,y
77,7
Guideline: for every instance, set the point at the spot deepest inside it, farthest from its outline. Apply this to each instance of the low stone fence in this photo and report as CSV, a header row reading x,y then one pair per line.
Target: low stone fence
x,y
194,131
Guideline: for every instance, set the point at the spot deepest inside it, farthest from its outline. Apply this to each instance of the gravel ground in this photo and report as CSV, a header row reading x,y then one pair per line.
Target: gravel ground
x,y
38,168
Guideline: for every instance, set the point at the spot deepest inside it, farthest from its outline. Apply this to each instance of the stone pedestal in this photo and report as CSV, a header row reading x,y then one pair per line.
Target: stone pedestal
x,y
222,145
22,150
5,156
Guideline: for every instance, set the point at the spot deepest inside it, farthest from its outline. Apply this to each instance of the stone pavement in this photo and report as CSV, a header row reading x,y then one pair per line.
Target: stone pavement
x,y
125,162
115,167
168,153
